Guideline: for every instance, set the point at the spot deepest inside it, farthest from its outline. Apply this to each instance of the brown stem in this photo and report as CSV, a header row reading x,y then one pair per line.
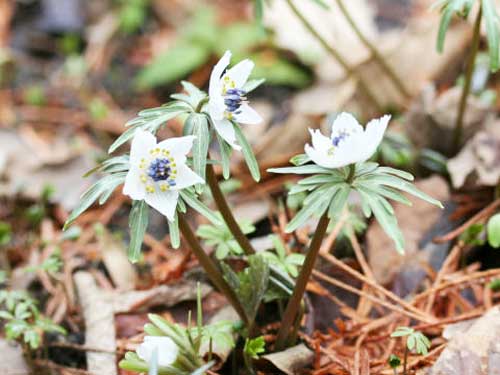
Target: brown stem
x,y
300,286
226,212
210,268
457,136
398,83
336,55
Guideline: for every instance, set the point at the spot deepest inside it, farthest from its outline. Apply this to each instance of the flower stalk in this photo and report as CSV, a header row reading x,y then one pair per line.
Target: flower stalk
x,y
398,83
295,301
458,133
336,55
226,212
210,268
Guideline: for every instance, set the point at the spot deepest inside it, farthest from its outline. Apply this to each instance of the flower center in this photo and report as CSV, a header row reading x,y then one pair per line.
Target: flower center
x,y
159,169
233,99
339,138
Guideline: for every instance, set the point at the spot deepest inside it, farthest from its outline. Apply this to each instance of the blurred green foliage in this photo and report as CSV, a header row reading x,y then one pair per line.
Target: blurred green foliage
x,y
202,37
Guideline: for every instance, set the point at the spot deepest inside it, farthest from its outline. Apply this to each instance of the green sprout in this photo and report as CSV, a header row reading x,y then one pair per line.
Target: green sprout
x,y
222,239
415,340
288,263
23,321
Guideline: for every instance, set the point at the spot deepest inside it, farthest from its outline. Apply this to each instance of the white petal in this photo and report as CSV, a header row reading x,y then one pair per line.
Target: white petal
x,y
352,150
371,138
141,143
186,177
163,202
215,85
319,141
376,128
216,107
240,72
166,348
179,147
248,115
320,158
133,187
226,131
345,122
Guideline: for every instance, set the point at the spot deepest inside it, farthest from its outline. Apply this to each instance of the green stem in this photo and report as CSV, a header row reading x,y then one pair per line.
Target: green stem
x,y
336,55
201,104
226,212
294,303
352,173
457,136
374,51
210,268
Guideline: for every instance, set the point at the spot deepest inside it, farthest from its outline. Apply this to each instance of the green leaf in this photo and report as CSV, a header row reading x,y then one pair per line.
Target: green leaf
x,y
317,207
173,229
448,9
225,153
201,142
386,192
203,369
493,231
138,222
322,4
300,159
252,164
258,10
339,201
254,347
150,120
192,201
175,63
394,361
253,282
278,69
104,186
322,179
396,172
303,169
396,183
473,235
402,331
492,32
387,221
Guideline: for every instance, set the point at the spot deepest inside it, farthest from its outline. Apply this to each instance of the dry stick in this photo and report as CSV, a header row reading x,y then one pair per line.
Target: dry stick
x,y
376,286
398,83
485,212
450,259
300,287
336,55
361,257
352,289
210,268
457,136
464,279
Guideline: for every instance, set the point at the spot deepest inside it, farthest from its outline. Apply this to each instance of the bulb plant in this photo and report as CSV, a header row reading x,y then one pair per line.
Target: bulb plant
x,y
169,176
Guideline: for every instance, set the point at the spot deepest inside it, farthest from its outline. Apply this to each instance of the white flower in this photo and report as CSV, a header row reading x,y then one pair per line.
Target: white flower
x,y
158,171
227,99
166,348
349,143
